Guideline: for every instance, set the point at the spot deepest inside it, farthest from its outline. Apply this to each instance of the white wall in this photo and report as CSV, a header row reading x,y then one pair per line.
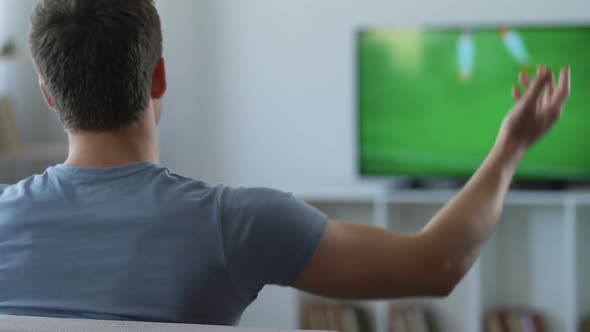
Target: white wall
x,y
189,123
19,81
279,100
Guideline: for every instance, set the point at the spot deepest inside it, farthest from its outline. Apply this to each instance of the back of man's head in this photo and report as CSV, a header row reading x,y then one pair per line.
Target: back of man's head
x,y
96,59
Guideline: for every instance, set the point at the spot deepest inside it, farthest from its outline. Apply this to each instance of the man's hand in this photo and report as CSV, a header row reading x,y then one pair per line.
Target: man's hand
x,y
356,261
536,110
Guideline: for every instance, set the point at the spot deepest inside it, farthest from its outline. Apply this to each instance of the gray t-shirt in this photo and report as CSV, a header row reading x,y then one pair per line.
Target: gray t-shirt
x,y
141,243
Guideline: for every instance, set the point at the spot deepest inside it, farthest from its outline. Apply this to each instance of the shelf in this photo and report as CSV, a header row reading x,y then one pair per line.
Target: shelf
x,y
515,198
35,153
524,265
438,197
337,195
16,59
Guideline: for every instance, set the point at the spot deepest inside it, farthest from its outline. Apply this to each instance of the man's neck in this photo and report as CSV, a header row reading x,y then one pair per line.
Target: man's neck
x,y
113,149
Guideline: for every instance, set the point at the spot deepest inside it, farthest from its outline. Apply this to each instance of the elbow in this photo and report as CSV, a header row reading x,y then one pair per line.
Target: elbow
x,y
445,286
445,280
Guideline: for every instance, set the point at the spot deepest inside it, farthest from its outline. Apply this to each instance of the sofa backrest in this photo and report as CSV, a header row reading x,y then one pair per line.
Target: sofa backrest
x,y
36,324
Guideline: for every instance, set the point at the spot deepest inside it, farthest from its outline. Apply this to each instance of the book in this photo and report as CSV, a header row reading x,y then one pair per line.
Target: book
x,y
494,324
9,136
364,319
350,320
515,322
538,321
334,317
511,320
416,320
528,324
409,319
313,317
4,107
397,320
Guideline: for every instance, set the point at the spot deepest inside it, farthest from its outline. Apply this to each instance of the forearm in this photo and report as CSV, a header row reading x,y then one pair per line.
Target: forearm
x,y
456,235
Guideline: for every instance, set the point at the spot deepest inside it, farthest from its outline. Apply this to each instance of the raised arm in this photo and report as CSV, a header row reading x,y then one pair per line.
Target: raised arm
x,y
364,262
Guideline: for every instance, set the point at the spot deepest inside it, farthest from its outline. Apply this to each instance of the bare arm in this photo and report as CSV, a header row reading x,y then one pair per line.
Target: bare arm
x,y
356,261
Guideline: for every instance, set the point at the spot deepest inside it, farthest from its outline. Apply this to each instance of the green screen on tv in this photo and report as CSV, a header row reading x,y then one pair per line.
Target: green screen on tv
x,y
431,101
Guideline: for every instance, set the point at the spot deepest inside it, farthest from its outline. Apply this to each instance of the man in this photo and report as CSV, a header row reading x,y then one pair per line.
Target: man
x,y
110,234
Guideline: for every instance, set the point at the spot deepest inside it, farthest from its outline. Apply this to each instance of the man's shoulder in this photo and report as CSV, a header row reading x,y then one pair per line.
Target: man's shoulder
x,y
177,178
181,187
229,195
253,196
25,185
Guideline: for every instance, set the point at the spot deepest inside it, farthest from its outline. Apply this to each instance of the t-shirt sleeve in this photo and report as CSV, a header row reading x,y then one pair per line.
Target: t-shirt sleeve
x,y
268,236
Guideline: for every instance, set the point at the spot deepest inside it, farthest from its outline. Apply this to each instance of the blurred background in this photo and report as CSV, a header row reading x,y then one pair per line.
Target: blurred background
x,y
264,93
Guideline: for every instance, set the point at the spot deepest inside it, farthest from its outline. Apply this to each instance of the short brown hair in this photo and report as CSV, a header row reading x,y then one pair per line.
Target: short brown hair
x,y
97,58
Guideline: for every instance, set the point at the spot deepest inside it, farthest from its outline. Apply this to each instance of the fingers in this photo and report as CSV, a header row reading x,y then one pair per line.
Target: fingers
x,y
563,88
516,93
550,90
537,87
559,98
525,80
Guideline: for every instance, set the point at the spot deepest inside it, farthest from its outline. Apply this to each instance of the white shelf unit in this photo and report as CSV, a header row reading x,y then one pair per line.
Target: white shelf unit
x,y
583,263
537,258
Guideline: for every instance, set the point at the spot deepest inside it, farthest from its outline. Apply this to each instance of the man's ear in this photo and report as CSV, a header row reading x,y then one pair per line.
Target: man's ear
x,y
46,96
159,83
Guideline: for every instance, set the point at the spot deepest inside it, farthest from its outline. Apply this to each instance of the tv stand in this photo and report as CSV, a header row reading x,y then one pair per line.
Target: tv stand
x,y
454,184
425,184
550,185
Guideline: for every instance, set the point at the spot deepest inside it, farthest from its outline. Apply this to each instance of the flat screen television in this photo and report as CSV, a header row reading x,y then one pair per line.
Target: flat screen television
x,y
431,100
